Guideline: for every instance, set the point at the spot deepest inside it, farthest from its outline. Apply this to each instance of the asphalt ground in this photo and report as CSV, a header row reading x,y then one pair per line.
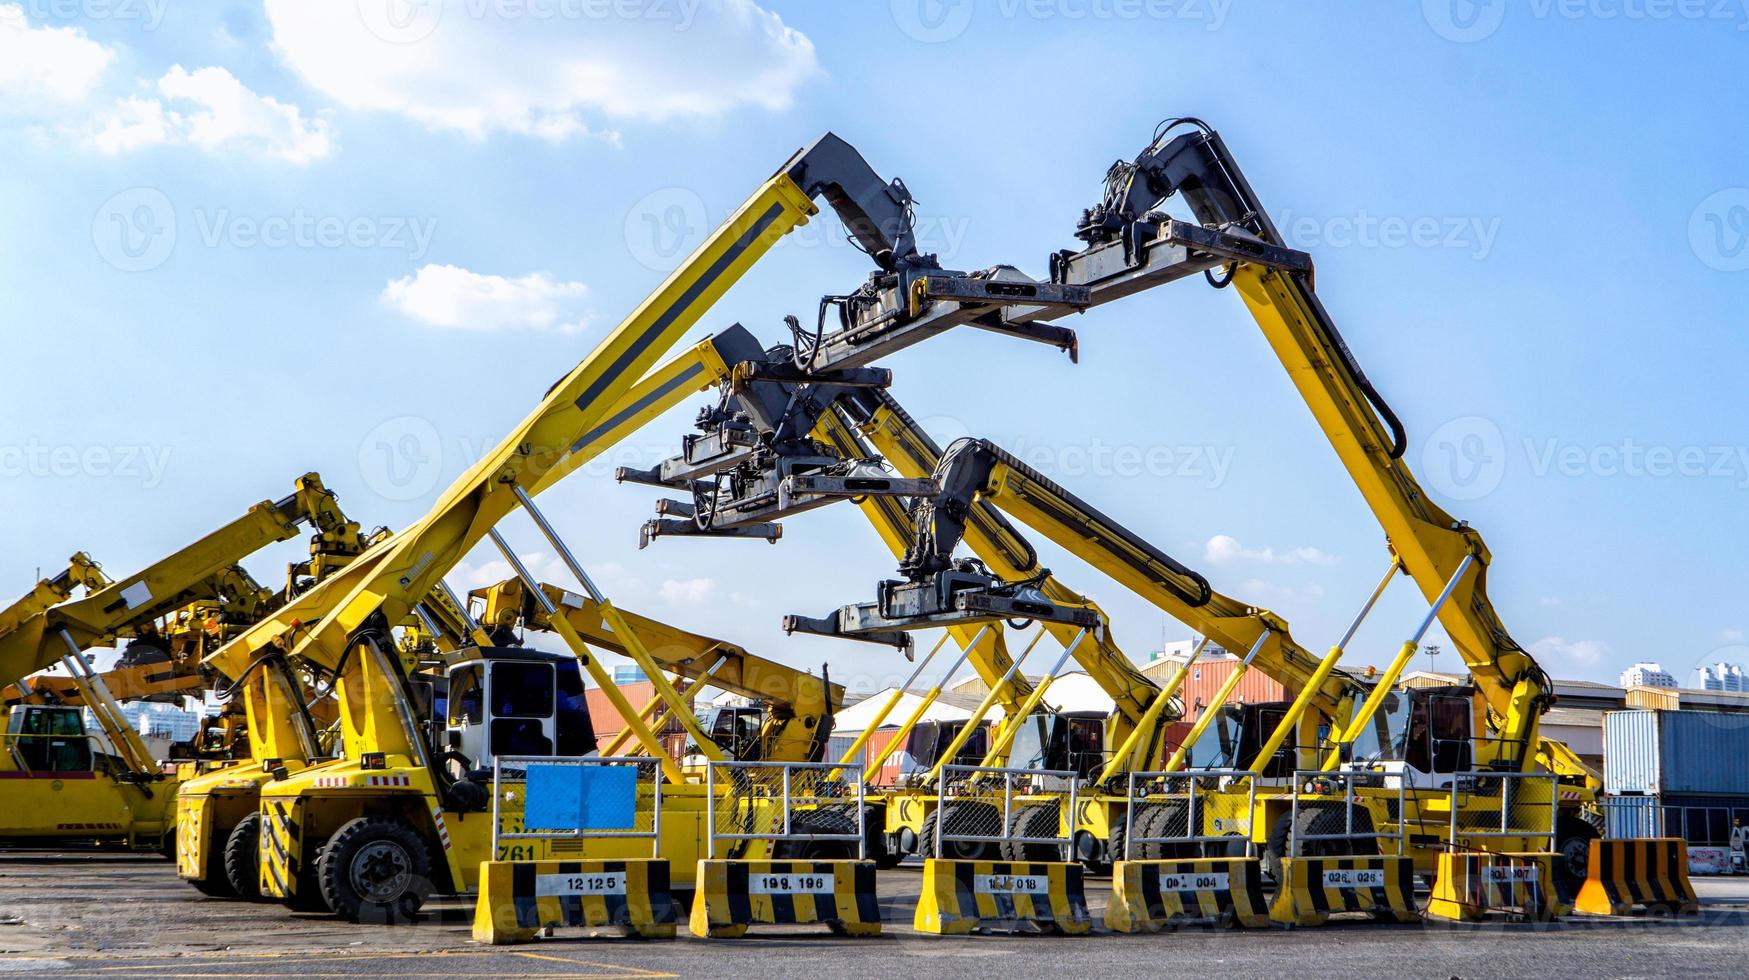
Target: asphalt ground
x,y
106,915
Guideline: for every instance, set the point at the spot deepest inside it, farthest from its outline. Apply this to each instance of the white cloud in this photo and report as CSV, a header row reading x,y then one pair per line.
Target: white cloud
x,y
210,109
1223,550
544,69
1729,635
1550,601
688,592
44,68
1585,653
452,297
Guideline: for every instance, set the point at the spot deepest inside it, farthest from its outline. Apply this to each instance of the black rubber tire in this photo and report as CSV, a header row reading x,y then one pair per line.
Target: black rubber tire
x,y
825,820
1275,848
1032,820
1154,822
363,852
1573,837
956,850
243,858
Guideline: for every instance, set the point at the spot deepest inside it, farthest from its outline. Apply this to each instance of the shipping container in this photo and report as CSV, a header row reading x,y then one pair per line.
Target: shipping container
x,y
1666,753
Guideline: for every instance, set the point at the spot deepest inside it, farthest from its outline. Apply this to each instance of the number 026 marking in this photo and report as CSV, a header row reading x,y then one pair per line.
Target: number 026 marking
x,y
562,886
1354,879
789,884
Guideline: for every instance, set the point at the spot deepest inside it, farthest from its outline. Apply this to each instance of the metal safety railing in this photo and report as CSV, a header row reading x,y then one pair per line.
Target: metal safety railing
x,y
596,797
784,802
1186,814
1650,816
1500,805
1334,812
978,804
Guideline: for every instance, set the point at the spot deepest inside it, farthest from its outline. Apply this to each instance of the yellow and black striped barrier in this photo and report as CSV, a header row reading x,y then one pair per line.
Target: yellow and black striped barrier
x,y
1147,896
1645,872
1468,886
520,898
959,896
1312,888
733,895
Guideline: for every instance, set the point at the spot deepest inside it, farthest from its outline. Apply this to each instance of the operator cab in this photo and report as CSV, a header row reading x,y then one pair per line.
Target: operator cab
x,y
1426,734
49,738
1068,742
507,701
736,730
930,739
1235,736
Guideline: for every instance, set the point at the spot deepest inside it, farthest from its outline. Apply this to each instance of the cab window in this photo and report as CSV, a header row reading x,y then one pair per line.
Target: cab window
x,y
576,732
522,697
521,690
466,700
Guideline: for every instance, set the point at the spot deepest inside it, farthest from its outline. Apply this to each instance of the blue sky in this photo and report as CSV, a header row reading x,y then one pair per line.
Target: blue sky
x,y
241,241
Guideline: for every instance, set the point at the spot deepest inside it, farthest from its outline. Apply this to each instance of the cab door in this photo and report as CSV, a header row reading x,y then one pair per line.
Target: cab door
x,y
57,782
521,697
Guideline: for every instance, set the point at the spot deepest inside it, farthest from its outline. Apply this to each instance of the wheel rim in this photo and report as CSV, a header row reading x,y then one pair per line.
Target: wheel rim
x,y
381,871
1576,852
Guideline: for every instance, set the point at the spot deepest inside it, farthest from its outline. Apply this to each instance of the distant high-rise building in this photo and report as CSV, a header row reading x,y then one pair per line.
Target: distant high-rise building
x,y
1180,650
1724,677
1647,674
152,719
628,674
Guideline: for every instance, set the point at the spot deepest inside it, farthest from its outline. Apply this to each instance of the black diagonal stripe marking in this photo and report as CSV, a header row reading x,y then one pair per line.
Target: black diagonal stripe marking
x,y
710,275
